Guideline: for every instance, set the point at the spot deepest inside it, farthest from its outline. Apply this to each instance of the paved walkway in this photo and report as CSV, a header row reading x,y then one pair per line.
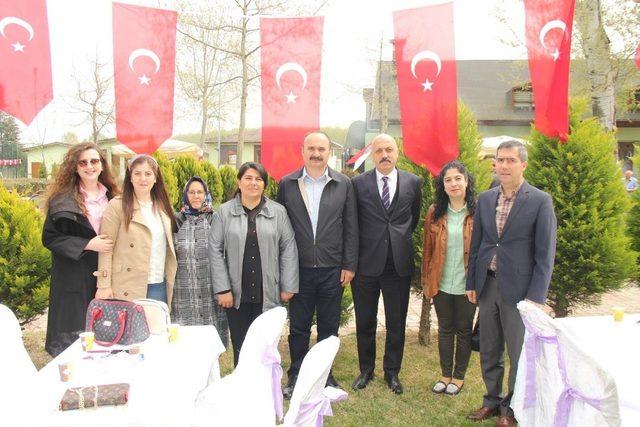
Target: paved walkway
x,y
627,297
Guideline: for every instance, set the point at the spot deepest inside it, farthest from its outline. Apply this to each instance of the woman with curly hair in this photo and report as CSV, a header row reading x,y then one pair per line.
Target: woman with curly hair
x,y
141,224
76,201
445,255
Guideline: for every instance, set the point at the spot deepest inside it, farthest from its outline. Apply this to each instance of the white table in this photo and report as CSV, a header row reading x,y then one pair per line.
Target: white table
x,y
616,347
163,386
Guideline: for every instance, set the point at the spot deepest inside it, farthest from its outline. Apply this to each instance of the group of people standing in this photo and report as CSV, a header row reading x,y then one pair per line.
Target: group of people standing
x,y
323,232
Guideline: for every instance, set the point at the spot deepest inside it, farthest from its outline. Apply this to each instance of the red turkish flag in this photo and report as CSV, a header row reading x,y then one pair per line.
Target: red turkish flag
x,y
144,51
637,57
291,56
427,84
548,26
25,58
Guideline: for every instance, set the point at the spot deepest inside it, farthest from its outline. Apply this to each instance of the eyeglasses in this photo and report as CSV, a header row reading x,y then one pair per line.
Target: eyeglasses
x,y
195,193
84,163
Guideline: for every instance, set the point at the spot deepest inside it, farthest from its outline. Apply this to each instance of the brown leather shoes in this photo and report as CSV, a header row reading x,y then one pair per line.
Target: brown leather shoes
x,y
482,414
506,421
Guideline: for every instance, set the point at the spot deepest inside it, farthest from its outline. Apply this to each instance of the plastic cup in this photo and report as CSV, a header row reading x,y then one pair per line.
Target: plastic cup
x,y
618,314
66,371
174,332
87,339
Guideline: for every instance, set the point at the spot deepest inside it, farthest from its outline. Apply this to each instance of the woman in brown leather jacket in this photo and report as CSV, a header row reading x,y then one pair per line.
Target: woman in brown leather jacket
x,y
447,236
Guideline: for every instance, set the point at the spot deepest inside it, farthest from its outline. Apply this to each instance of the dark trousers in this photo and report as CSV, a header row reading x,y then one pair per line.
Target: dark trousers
x,y
500,323
320,290
455,322
239,321
395,293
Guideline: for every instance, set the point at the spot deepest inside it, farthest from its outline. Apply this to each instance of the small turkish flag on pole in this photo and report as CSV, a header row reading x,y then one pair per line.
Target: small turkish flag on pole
x,y
548,25
25,58
144,43
291,58
427,84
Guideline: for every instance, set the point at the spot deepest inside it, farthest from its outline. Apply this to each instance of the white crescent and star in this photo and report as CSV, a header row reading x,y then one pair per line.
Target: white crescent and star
x,y
144,80
426,55
291,66
556,23
12,20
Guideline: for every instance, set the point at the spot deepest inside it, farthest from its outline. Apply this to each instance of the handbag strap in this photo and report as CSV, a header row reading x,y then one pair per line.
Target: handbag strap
x,y
96,314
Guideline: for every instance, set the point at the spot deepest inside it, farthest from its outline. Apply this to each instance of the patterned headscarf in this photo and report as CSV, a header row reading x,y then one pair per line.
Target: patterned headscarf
x,y
206,203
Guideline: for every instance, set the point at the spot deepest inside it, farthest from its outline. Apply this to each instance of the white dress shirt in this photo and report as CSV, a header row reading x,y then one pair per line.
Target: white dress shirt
x,y
158,242
392,182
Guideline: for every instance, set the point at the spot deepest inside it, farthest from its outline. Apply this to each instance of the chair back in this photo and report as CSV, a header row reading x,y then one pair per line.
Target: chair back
x,y
311,400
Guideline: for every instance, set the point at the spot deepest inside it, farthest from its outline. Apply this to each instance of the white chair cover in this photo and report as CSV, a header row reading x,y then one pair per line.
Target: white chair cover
x,y
557,383
311,400
538,382
17,373
252,394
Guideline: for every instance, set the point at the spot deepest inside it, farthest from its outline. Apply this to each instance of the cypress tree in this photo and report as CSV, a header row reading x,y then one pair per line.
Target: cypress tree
x,y
24,262
593,254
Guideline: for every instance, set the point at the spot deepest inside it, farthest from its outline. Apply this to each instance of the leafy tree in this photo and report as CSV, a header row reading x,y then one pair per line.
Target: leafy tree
x,y
229,181
593,255
170,181
469,142
10,146
214,181
24,262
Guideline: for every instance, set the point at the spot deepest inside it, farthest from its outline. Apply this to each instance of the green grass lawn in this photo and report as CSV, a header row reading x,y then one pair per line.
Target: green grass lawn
x,y
376,405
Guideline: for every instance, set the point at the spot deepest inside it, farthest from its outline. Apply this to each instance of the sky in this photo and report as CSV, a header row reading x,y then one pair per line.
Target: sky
x,y
353,31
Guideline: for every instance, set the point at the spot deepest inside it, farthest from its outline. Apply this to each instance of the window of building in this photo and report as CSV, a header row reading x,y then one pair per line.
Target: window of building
x,y
522,98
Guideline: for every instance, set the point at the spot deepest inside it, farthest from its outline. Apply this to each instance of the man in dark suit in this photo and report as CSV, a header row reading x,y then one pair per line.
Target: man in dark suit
x,y
388,202
511,258
322,209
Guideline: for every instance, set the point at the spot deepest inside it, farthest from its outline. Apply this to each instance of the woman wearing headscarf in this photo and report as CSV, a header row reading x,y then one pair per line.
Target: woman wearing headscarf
x,y
193,297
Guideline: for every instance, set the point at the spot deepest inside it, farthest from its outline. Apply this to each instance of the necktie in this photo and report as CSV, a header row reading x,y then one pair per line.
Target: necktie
x,y
385,192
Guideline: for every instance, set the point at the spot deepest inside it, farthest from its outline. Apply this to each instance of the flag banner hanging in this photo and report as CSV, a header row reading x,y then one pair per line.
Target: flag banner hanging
x,y
548,26
427,84
144,43
26,85
637,57
291,60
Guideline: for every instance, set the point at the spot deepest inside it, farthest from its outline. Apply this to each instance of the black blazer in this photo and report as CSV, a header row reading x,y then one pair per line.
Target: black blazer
x,y
526,250
376,224
336,240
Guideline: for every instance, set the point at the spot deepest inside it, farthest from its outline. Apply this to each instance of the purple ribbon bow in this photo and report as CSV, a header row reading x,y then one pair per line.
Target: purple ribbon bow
x,y
318,409
533,349
566,399
269,358
568,396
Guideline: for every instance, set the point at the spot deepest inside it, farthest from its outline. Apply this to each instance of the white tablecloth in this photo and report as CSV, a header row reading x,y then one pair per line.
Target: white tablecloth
x,y
616,346
163,386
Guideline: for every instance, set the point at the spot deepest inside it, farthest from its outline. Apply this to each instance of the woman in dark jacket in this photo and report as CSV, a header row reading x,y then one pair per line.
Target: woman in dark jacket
x,y
75,203
193,297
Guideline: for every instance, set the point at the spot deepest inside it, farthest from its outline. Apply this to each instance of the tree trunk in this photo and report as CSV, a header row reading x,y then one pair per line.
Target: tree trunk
x,y
600,70
245,88
424,332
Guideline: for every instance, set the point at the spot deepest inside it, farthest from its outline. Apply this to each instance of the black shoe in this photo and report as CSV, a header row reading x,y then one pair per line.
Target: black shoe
x,y
287,391
331,382
394,383
362,381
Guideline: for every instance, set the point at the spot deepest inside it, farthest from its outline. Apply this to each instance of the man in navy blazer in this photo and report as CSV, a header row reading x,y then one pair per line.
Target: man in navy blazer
x,y
511,258
388,201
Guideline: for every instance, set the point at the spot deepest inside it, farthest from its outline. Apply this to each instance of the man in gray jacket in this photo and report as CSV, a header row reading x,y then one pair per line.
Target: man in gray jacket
x,y
322,209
